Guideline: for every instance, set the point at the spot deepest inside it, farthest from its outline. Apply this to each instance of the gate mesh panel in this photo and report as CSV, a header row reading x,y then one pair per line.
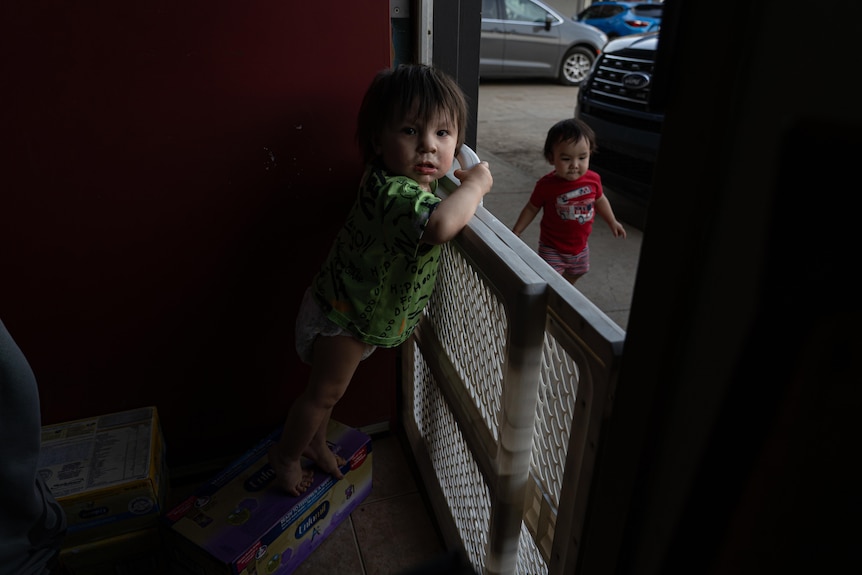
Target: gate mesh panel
x,y
558,387
462,483
555,409
530,561
471,325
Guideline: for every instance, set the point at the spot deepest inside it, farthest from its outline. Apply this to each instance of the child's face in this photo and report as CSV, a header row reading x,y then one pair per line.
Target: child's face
x,y
571,160
421,151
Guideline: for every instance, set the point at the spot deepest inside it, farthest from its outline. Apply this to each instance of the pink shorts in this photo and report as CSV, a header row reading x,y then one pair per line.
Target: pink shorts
x,y
566,264
311,322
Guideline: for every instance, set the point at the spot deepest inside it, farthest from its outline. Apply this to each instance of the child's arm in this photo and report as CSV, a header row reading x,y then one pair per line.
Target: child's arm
x,y
603,207
454,212
527,214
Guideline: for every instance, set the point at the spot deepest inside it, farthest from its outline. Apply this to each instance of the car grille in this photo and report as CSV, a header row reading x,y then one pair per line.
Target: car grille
x,y
623,81
609,86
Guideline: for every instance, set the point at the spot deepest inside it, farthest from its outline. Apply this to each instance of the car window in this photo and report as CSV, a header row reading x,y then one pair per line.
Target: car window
x,y
490,9
650,11
587,13
524,11
600,11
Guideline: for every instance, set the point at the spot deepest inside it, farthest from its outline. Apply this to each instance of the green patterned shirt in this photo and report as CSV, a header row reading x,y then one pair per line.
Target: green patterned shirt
x,y
378,275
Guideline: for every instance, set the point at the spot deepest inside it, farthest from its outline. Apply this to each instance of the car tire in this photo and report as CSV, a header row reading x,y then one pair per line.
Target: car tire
x,y
575,66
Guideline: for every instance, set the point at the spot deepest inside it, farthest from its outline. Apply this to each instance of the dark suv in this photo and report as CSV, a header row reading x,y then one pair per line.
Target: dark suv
x,y
615,101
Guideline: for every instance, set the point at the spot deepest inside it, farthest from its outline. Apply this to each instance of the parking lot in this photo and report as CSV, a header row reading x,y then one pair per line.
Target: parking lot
x,y
513,119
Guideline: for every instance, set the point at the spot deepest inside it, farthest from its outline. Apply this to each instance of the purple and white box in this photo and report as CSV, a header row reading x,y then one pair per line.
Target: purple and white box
x,y
243,523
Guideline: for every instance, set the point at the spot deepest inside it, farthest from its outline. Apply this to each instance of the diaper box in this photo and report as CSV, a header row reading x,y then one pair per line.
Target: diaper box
x,y
242,522
108,473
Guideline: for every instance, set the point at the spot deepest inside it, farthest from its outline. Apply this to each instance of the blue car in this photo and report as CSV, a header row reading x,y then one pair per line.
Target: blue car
x,y
622,18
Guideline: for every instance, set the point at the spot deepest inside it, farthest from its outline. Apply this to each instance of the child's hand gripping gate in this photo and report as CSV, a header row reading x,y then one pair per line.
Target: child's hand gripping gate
x,y
466,158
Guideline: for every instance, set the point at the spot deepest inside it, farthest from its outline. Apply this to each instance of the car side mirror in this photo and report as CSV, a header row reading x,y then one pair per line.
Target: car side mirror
x,y
548,20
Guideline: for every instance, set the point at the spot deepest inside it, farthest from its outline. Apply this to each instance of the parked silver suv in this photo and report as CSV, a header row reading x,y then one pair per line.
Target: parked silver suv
x,y
615,101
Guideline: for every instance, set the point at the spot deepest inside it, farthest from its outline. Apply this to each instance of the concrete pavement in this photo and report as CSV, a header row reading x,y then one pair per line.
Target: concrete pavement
x,y
513,120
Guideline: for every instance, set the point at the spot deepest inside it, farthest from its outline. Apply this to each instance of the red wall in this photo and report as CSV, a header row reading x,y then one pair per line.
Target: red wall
x,y
172,175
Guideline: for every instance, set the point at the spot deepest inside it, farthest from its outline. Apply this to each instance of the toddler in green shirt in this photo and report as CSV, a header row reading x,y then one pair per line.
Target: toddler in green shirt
x,y
382,266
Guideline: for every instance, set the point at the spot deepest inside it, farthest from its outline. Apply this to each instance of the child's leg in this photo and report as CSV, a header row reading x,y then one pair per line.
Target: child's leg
x,y
573,277
335,361
319,452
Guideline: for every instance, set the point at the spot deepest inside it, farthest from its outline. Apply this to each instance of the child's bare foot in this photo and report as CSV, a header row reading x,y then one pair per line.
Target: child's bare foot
x,y
326,460
290,474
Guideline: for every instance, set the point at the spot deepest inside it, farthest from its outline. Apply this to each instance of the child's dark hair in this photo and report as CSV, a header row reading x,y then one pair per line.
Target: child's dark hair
x,y
570,129
395,92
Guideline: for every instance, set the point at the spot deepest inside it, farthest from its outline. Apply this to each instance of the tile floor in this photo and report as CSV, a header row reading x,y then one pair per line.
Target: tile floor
x,y
392,532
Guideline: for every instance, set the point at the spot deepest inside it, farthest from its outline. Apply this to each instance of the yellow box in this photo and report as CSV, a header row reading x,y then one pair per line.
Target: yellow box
x,y
108,473
243,523
134,553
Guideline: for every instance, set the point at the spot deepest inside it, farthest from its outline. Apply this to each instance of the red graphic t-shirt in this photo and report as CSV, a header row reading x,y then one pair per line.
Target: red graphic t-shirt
x,y
568,210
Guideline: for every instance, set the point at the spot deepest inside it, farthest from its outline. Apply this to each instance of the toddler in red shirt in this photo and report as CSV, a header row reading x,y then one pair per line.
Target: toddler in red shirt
x,y
569,198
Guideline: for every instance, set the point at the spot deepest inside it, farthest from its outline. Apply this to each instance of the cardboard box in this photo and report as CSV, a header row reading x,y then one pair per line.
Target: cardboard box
x,y
134,553
243,523
108,473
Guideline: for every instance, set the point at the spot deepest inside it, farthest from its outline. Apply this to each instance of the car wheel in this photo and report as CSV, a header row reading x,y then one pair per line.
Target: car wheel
x,y
575,66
